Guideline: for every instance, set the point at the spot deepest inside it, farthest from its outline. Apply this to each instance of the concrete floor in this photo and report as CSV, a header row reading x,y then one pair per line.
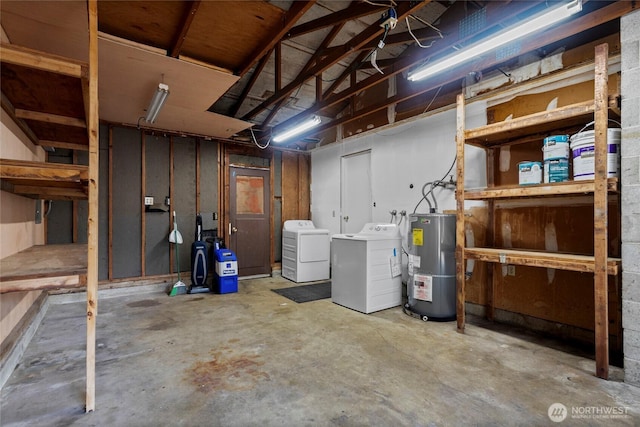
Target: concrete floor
x,y
257,358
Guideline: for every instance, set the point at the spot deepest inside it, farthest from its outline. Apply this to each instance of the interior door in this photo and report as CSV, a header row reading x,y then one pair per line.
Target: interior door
x,y
356,198
249,226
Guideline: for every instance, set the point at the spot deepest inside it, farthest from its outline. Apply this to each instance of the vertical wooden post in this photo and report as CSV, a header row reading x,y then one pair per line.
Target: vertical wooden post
x,y
600,237
92,229
74,207
198,175
143,193
221,189
110,206
171,204
491,233
460,270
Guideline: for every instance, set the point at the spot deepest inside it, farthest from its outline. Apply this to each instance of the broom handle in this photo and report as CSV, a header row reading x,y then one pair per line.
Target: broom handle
x,y
178,261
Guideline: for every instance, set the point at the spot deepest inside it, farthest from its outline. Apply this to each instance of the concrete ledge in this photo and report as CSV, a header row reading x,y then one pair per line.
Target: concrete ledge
x,y
24,333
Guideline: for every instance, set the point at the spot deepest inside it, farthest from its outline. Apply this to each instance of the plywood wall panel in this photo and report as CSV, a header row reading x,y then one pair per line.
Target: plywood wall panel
x,y
157,224
184,203
103,205
208,176
60,217
126,214
295,186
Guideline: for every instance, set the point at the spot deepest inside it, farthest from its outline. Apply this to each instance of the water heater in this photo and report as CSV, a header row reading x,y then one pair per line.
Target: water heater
x,y
431,287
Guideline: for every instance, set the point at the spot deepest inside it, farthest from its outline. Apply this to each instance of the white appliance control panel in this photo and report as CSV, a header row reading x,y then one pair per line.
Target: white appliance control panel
x,y
378,229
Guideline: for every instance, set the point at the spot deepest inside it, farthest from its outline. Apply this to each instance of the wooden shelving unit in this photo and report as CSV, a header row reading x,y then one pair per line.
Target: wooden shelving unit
x,y
536,127
54,101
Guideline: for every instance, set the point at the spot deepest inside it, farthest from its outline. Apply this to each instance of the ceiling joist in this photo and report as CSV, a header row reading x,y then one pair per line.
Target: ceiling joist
x,y
298,8
370,33
578,25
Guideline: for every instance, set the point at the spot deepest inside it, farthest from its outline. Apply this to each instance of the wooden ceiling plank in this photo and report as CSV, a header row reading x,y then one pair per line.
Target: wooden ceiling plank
x,y
583,23
65,145
192,9
50,118
295,12
370,33
31,58
353,11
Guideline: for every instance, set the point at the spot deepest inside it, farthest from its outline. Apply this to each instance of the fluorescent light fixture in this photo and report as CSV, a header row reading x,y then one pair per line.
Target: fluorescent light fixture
x,y
518,31
298,129
158,100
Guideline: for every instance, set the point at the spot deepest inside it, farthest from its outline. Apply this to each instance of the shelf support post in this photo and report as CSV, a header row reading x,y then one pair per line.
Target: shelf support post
x,y
600,219
92,231
460,239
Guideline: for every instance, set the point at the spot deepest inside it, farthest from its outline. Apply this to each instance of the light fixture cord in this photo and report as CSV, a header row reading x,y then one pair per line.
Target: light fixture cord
x,y
255,141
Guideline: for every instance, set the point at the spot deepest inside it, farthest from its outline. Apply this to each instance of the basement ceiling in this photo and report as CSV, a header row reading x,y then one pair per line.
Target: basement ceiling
x,y
231,65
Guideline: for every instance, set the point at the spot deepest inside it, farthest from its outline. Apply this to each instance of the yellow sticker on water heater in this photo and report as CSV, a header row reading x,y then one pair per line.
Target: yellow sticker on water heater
x,y
417,236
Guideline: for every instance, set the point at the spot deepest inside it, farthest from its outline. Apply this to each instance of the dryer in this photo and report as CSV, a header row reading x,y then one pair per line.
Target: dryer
x,y
366,268
305,251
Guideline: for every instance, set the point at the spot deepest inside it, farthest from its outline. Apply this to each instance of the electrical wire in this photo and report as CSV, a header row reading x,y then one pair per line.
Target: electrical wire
x,y
255,141
433,99
415,38
441,180
392,3
417,18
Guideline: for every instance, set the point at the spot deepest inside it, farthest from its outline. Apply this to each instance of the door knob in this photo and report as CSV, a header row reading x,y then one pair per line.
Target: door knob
x,y
234,229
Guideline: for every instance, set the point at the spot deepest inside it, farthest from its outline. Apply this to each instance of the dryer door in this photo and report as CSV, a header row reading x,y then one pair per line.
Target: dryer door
x,y
313,247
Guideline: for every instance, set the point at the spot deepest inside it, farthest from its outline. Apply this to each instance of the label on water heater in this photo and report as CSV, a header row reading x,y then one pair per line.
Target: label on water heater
x,y
417,235
423,287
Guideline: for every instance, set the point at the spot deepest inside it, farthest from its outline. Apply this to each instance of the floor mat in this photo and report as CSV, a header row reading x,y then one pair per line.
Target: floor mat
x,y
306,293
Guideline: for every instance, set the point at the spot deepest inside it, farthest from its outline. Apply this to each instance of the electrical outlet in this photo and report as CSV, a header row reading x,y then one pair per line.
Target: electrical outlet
x,y
38,218
389,18
511,270
148,201
215,216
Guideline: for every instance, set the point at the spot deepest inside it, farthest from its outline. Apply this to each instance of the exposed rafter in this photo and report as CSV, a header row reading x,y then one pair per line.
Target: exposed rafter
x,y
495,13
312,61
578,25
298,8
192,9
354,11
370,33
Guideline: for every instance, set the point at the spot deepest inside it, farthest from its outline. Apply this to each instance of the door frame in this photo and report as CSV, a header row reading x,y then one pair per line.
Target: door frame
x,y
225,151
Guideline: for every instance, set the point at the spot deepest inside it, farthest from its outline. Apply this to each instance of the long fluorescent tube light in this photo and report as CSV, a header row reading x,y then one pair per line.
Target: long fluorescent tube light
x,y
297,130
518,31
158,100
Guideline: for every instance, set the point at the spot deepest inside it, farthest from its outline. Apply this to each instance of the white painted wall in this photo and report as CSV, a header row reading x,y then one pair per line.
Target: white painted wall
x,y
18,229
415,152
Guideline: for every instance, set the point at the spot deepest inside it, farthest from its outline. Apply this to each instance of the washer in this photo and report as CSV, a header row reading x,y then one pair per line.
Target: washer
x,y
366,268
305,251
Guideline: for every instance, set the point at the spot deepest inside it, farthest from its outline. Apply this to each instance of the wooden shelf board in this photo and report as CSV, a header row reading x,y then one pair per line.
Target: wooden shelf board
x,y
539,190
534,124
42,180
44,267
581,263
